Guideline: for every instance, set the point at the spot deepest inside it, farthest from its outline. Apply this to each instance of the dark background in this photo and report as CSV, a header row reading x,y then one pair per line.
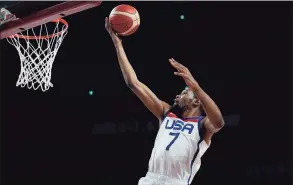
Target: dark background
x,y
240,53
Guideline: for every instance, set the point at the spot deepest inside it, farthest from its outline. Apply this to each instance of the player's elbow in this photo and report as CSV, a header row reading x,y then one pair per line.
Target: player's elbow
x,y
220,123
132,84
217,126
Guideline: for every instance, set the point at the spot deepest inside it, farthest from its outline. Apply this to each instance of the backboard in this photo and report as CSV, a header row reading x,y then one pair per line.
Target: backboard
x,y
31,14
25,25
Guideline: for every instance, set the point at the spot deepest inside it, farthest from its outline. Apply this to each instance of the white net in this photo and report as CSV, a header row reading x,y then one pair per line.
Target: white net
x,y
37,49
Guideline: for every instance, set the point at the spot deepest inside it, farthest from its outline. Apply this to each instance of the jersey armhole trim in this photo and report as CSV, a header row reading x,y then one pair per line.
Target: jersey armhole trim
x,y
201,128
164,115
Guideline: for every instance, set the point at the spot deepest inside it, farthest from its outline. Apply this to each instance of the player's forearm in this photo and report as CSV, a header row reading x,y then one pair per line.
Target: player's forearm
x,y
210,107
126,68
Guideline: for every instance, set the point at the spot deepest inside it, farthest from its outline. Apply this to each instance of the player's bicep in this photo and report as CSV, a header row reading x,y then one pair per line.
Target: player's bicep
x,y
150,100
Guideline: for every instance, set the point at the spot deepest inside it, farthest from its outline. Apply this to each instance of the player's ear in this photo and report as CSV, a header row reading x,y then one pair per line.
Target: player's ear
x,y
195,102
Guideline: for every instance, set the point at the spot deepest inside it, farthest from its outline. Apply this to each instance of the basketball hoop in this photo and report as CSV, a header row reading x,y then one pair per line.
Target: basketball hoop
x,y
37,48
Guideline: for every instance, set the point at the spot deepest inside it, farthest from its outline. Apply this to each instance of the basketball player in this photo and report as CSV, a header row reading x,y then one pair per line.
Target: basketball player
x,y
180,143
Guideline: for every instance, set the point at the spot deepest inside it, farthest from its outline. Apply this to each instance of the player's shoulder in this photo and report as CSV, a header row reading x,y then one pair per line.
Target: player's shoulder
x,y
171,115
166,109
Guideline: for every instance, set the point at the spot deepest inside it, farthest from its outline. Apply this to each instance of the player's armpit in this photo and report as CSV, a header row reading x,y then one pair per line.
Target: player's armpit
x,y
149,99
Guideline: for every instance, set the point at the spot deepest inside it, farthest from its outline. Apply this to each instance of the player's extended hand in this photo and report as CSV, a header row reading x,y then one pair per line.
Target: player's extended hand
x,y
184,73
113,35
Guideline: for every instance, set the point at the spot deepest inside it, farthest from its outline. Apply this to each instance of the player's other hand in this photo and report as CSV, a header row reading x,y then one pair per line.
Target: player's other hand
x,y
113,35
184,73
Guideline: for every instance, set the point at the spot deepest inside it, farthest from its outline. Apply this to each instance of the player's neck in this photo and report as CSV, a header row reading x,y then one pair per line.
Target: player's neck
x,y
188,113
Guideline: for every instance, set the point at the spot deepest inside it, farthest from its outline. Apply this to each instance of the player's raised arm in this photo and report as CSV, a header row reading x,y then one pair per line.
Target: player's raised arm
x,y
214,120
150,100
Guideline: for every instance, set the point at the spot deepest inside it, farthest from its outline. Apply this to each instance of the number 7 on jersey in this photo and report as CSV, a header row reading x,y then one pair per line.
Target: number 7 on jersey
x,y
173,140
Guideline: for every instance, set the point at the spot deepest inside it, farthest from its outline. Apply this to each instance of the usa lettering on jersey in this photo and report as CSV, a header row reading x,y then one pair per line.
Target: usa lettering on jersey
x,y
178,125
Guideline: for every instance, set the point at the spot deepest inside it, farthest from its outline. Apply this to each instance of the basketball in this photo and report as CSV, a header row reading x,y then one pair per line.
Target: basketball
x,y
124,20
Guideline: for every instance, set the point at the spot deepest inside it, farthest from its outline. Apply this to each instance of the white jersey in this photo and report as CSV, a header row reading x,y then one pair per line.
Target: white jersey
x,y
178,149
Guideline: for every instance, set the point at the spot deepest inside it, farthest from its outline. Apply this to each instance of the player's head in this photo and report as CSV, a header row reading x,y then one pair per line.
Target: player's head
x,y
188,99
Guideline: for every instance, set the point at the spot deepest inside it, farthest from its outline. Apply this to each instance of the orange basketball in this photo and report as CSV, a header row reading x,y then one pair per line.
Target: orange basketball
x,y
124,20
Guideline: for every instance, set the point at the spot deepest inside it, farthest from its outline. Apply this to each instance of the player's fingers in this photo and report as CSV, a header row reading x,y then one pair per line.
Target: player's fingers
x,y
177,68
175,61
106,21
172,62
175,64
180,65
180,74
108,26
